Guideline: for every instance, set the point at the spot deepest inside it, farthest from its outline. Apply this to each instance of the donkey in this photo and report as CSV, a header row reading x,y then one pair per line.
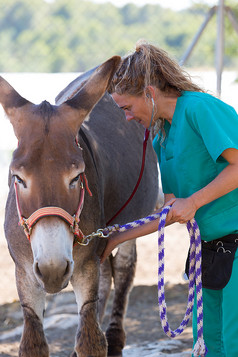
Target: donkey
x,y
84,142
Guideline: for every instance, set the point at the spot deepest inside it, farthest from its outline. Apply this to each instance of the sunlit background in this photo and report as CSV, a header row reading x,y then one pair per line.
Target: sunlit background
x,y
70,36
45,44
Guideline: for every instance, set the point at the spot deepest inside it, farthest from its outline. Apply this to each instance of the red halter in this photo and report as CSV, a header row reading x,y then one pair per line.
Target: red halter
x,y
28,223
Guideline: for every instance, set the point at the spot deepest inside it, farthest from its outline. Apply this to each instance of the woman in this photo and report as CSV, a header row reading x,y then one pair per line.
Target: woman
x,y
197,149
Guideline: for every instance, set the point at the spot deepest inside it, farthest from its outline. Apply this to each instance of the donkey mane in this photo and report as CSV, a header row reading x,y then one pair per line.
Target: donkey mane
x,y
46,111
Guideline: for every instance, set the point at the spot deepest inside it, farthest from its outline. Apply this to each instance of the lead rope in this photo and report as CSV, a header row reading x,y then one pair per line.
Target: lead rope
x,y
195,276
195,280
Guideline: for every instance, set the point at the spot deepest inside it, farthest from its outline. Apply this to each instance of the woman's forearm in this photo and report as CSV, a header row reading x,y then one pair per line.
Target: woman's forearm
x,y
117,238
149,227
140,231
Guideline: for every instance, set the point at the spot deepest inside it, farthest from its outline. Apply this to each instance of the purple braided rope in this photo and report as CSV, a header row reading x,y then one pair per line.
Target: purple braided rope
x,y
161,296
196,255
195,279
195,276
131,225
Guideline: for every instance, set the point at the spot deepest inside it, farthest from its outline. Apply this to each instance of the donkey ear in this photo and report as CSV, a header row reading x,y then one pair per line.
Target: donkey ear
x,y
74,87
9,98
90,92
12,104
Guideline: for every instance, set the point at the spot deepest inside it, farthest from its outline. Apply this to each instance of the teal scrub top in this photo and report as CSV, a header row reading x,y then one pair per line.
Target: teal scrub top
x,y
189,157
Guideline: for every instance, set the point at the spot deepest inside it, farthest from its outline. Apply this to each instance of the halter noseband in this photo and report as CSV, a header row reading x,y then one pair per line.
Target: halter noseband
x,y
28,223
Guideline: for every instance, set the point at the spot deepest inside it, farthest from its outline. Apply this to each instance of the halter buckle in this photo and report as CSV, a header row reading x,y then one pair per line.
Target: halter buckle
x,y
26,227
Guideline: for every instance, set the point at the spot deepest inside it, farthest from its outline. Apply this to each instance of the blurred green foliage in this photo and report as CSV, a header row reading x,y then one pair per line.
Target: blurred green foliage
x,y
75,35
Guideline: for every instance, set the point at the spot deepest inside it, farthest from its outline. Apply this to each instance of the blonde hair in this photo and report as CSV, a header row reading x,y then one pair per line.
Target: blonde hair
x,y
149,65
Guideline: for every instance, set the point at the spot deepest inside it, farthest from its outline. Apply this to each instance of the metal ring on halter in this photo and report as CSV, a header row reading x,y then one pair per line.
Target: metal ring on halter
x,y
84,242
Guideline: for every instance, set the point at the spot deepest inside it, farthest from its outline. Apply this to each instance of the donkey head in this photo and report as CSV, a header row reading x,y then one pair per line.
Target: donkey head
x,y
47,165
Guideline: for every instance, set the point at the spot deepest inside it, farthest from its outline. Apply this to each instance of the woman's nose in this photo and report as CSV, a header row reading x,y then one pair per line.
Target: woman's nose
x,y
129,116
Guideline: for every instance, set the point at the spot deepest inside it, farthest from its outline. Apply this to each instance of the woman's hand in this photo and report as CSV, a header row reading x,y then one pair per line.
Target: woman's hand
x,y
183,209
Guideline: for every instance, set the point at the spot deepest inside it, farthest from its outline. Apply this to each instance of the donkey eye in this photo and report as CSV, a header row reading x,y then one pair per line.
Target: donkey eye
x,y
75,179
20,181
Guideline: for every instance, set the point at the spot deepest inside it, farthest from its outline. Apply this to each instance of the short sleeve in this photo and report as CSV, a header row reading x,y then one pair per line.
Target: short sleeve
x,y
217,124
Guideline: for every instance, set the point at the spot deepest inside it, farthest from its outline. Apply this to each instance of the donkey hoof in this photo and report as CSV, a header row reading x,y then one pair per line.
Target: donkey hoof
x,y
116,341
114,351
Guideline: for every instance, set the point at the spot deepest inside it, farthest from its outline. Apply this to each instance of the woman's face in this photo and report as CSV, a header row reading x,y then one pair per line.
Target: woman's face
x,y
135,108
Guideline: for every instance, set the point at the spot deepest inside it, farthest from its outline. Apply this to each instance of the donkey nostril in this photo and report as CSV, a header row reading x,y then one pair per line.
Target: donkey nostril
x,y
67,270
37,270
53,273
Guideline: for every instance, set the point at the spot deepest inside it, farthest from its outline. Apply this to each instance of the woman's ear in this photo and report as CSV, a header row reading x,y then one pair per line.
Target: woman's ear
x,y
150,92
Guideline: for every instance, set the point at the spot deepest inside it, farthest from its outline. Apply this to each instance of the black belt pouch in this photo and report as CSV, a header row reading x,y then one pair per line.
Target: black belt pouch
x,y
217,261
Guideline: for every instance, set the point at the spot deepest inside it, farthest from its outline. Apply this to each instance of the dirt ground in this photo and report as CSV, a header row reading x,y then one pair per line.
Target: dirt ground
x,y
142,322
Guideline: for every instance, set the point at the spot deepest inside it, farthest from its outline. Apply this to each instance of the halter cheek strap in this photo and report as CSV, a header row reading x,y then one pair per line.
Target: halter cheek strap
x,y
28,223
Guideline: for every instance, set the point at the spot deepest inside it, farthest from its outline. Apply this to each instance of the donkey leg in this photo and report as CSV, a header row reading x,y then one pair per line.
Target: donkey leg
x,y
124,265
33,342
90,340
105,283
